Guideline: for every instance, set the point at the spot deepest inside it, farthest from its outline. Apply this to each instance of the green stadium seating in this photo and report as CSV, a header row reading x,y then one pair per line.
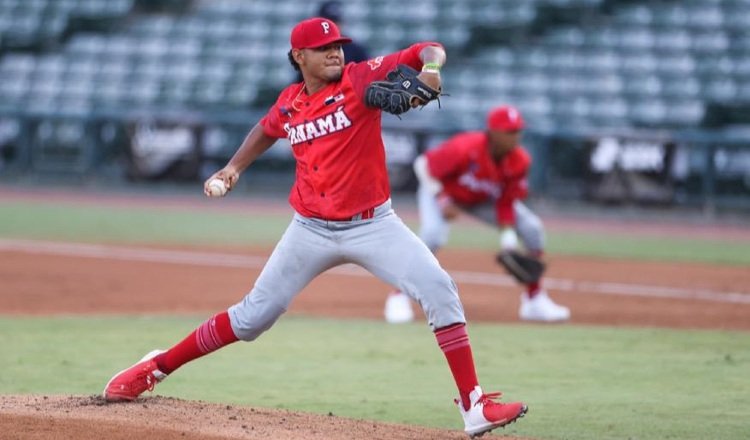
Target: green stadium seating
x,y
599,63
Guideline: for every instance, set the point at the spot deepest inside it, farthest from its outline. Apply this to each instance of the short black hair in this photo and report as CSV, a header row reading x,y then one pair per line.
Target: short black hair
x,y
291,60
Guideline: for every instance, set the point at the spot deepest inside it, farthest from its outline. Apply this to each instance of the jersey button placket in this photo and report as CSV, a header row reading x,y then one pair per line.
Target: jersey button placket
x,y
306,121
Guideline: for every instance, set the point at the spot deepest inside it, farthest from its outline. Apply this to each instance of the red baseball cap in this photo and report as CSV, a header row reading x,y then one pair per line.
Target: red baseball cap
x,y
505,118
316,32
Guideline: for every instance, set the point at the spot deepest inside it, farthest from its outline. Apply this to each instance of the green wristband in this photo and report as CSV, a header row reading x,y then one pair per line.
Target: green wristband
x,y
431,67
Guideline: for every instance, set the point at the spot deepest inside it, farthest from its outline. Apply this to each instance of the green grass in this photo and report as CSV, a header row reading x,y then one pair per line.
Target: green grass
x,y
630,246
580,383
63,221
138,225
653,248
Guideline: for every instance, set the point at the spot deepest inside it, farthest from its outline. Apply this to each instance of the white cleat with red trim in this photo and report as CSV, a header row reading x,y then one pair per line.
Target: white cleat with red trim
x,y
485,414
131,382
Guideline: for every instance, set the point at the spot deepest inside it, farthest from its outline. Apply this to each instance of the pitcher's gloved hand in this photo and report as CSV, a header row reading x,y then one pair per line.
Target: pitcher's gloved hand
x,y
400,91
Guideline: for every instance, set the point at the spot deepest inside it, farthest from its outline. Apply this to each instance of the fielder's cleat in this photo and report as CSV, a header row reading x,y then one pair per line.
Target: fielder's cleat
x,y
542,308
485,414
131,382
398,308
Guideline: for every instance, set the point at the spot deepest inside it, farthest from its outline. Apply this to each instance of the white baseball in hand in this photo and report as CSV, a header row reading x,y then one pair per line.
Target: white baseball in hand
x,y
216,188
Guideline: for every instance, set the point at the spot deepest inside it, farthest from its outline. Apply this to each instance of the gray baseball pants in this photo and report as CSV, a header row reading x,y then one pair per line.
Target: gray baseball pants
x,y
383,245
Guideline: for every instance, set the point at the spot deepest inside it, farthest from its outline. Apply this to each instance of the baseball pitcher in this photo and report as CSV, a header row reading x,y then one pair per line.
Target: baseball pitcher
x,y
343,214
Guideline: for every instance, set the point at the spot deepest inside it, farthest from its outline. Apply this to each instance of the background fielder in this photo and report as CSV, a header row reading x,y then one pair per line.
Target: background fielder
x,y
485,174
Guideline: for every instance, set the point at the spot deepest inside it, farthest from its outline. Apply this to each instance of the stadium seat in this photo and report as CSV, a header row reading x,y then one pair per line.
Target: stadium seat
x,y
626,68
719,89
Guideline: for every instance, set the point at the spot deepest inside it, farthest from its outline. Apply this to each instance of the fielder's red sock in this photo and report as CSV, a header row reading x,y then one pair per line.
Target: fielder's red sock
x,y
454,341
533,288
210,336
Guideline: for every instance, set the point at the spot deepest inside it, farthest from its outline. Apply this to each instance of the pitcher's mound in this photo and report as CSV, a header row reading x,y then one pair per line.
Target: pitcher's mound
x,y
90,418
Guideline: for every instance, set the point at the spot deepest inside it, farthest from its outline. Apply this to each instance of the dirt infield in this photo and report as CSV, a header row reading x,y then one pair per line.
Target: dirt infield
x,y
90,418
45,278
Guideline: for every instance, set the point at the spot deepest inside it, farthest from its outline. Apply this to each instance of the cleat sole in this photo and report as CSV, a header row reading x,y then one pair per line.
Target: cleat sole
x,y
524,410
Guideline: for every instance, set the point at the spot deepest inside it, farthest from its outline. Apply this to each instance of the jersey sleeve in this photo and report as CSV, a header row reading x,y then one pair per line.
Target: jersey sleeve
x,y
375,69
515,185
271,123
448,159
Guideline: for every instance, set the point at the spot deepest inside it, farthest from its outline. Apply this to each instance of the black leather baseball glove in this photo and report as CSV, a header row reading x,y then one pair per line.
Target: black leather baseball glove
x,y
399,91
522,267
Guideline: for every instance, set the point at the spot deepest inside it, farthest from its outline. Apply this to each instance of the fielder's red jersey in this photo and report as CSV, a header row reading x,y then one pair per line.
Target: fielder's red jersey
x,y
336,140
470,175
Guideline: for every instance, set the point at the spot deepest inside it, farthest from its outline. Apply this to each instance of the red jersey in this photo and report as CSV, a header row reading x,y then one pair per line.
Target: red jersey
x,y
336,139
470,176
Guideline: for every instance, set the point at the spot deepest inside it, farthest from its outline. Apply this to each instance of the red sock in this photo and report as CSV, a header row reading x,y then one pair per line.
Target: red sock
x,y
454,341
533,288
210,336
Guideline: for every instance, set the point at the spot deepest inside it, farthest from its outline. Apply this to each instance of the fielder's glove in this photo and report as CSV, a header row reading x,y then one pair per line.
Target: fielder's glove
x,y
399,91
522,267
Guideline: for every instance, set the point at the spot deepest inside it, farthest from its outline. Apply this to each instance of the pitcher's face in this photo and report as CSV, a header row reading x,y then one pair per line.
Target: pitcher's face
x,y
325,63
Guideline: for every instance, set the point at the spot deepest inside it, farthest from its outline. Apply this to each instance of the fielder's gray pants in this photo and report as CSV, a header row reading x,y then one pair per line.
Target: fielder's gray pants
x,y
435,229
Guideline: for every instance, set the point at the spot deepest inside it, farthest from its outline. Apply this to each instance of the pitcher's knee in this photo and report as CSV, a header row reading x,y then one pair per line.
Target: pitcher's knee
x,y
250,317
440,302
443,314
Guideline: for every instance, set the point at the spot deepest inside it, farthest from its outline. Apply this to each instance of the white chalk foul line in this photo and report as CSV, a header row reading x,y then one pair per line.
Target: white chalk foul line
x,y
254,262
